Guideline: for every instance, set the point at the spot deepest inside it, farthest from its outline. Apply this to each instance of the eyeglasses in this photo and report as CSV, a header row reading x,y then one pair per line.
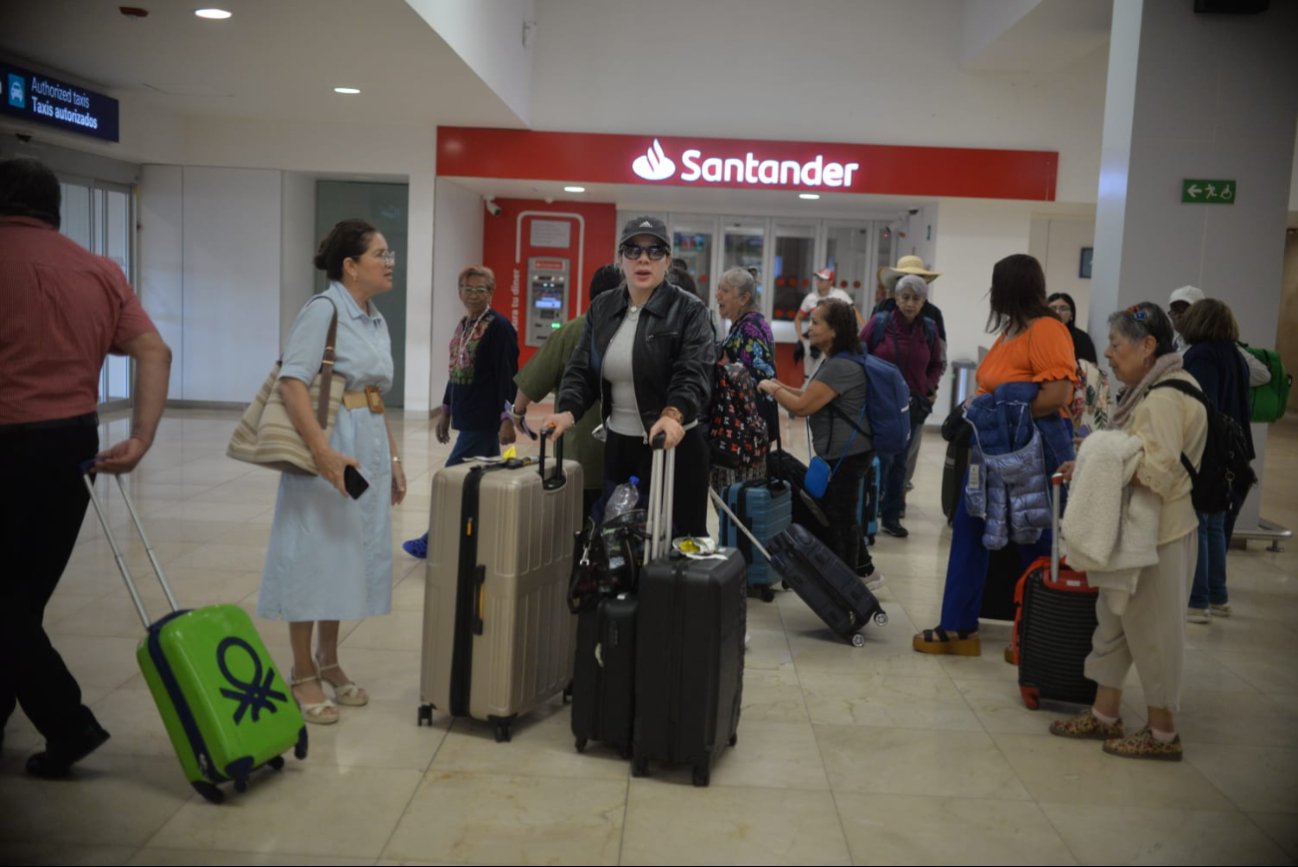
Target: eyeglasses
x,y
475,290
634,251
387,257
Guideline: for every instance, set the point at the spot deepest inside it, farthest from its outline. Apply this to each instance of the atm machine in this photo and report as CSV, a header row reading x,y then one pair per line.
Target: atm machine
x,y
547,297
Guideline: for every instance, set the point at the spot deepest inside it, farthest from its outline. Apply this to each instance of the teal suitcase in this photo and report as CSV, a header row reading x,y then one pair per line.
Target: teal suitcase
x,y
226,708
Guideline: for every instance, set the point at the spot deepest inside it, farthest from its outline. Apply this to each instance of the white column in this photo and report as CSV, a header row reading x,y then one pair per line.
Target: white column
x,y
1197,96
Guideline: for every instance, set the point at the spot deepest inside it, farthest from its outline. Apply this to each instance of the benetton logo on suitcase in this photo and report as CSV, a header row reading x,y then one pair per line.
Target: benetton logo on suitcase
x,y
254,694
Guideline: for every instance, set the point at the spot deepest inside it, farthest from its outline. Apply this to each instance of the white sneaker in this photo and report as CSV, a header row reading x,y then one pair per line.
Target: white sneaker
x,y
1219,610
1197,615
874,581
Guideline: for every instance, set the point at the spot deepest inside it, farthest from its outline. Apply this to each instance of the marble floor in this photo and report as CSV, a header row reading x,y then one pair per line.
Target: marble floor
x,y
876,755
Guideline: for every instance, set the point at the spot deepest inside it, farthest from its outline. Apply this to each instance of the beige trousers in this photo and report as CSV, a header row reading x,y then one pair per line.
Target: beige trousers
x,y
1150,632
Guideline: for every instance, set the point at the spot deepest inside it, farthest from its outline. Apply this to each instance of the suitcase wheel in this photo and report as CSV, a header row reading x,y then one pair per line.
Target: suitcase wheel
x,y
567,693
872,540
768,595
503,733
702,776
425,717
241,785
209,791
581,745
1030,697
785,585
858,640
881,618
300,748
639,767
734,739
277,763
625,753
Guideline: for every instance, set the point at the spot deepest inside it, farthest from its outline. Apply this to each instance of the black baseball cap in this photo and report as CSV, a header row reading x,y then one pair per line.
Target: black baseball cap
x,y
645,226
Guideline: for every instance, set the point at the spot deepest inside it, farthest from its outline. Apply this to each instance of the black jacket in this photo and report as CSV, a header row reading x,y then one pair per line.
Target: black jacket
x,y
1223,376
673,356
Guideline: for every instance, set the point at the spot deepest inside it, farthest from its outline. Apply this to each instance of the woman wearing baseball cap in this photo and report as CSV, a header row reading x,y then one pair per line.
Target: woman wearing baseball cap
x,y
646,354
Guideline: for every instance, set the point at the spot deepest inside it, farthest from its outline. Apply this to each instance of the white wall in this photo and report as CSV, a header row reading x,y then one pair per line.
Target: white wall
x,y
828,70
457,242
971,236
210,274
1057,242
489,38
297,273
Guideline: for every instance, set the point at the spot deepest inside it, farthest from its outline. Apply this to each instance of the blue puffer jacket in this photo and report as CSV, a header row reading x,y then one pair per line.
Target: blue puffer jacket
x,y
1010,463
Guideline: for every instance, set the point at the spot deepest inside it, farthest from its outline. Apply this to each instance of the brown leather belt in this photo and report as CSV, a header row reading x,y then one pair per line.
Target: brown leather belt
x,y
371,398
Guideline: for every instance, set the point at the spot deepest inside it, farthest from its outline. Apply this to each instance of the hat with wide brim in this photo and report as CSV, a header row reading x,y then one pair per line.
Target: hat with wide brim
x,y
907,266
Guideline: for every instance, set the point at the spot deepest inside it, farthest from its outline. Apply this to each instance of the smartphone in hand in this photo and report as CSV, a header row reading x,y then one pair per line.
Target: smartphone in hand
x,y
354,482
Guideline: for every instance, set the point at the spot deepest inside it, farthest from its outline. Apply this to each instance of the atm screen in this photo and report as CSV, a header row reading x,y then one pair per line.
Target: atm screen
x,y
547,294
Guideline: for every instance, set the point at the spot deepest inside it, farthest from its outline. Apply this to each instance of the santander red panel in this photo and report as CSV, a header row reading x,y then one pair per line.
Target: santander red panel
x,y
745,164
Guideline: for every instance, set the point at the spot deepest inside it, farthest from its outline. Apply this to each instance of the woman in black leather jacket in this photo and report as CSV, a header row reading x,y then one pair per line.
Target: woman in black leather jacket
x,y
646,354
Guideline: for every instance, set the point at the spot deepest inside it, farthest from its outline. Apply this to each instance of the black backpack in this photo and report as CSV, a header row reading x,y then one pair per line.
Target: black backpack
x,y
1225,469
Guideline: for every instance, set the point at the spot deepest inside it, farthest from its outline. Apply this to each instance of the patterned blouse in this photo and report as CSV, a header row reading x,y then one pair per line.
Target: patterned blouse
x,y
751,343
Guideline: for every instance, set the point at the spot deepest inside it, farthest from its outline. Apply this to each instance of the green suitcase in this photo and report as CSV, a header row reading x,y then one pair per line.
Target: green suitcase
x,y
226,708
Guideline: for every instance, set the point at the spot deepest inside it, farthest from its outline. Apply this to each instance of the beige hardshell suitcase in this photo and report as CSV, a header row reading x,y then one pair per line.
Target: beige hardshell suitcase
x,y
498,636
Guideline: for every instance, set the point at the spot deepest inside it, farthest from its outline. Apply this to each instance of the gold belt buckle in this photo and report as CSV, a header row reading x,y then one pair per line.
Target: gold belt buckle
x,y
374,398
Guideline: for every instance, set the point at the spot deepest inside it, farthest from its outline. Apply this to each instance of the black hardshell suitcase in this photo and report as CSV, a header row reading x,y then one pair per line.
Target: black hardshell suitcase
x,y
814,572
689,647
831,589
603,677
1054,628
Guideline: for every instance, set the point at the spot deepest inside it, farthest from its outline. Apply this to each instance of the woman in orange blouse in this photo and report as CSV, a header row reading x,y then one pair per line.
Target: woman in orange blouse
x,y
1032,345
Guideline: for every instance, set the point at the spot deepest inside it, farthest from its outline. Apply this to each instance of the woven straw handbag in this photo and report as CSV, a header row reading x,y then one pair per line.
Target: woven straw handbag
x,y
266,436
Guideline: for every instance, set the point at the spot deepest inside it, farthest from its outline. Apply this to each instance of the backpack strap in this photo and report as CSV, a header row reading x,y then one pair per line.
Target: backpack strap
x,y
1187,389
880,328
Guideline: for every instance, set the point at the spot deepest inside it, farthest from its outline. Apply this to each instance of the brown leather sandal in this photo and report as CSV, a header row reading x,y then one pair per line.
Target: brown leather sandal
x,y
964,643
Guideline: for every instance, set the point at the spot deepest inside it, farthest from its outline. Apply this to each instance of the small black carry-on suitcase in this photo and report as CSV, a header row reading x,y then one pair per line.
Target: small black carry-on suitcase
x,y
689,644
832,590
1054,627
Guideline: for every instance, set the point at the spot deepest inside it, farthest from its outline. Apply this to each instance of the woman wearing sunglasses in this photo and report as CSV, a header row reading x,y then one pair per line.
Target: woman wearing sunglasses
x,y
646,354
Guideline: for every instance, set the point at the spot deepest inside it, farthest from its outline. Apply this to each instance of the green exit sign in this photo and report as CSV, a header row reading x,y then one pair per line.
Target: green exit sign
x,y
1207,192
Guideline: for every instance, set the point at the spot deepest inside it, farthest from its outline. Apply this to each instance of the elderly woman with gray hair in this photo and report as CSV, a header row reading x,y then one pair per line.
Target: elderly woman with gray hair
x,y
1142,617
750,343
910,341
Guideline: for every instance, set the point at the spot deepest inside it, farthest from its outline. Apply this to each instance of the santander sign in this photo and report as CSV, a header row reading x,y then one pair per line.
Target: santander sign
x,y
655,165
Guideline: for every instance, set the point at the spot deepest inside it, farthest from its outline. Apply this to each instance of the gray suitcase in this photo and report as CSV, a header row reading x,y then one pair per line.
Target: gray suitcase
x,y
498,635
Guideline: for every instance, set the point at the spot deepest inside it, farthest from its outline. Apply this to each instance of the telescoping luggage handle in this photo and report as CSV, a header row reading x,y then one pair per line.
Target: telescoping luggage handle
x,y
743,528
662,494
556,479
1056,489
86,467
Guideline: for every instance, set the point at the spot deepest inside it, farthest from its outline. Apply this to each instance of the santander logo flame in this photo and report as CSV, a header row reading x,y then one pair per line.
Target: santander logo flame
x,y
654,165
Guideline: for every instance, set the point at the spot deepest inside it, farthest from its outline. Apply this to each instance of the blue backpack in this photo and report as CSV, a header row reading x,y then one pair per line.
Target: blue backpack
x,y
887,403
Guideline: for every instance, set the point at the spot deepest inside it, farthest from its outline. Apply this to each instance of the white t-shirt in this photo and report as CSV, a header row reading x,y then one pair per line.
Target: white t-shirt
x,y
813,298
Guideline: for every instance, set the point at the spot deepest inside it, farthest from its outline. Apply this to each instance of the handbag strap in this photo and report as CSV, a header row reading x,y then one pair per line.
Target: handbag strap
x,y
327,371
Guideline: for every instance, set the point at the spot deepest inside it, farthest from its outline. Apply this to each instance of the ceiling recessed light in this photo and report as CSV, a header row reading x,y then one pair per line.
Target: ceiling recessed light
x,y
348,90
574,189
811,197
213,14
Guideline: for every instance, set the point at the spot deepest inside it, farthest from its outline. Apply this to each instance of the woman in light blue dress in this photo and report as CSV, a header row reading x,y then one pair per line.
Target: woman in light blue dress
x,y
330,556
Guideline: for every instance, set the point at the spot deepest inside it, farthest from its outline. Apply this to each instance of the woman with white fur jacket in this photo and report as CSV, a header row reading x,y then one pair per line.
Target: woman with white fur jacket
x,y
1142,621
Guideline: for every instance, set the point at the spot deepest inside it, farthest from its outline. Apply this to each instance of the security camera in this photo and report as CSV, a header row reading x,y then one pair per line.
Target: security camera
x,y
913,211
489,202
24,137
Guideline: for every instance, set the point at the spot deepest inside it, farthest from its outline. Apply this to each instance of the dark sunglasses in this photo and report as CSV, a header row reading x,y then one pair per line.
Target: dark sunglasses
x,y
634,251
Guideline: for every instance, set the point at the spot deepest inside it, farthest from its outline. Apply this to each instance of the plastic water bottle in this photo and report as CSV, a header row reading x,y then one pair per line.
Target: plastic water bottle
x,y
624,498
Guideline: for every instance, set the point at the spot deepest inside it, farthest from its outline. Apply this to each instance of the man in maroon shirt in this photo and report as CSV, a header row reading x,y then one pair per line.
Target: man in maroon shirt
x,y
62,310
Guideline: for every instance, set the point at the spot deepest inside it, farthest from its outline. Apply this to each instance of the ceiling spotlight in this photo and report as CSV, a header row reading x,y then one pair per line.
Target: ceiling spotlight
x,y
347,90
213,14
574,189
811,197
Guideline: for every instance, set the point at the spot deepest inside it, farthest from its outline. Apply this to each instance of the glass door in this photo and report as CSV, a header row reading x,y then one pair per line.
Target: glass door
x,y
848,250
744,246
693,244
97,215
